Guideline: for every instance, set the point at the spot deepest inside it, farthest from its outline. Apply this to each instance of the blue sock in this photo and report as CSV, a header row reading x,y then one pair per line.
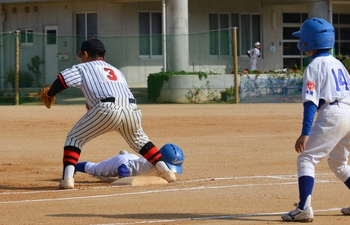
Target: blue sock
x,y
306,184
80,167
347,182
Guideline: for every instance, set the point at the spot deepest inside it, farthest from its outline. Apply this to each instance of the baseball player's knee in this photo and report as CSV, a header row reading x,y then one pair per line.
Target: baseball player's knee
x,y
73,141
341,170
78,146
305,168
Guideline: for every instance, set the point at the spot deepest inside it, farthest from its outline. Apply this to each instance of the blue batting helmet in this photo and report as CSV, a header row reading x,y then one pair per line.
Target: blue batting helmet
x,y
173,157
315,33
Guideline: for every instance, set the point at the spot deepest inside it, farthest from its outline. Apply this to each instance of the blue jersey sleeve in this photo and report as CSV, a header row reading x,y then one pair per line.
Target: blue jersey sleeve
x,y
123,171
309,113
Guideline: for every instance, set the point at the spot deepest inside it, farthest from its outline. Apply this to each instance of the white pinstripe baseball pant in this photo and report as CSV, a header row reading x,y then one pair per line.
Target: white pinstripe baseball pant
x,y
121,116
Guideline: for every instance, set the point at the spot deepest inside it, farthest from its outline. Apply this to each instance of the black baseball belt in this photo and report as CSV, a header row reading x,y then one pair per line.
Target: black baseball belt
x,y
112,99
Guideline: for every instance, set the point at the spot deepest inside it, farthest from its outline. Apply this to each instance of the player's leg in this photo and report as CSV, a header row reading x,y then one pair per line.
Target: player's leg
x,y
346,211
80,167
338,158
150,152
338,163
319,145
105,168
306,174
253,64
95,122
71,156
132,132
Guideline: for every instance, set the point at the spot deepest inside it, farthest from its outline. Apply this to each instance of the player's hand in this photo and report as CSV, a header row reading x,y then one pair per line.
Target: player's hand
x,y
45,98
300,143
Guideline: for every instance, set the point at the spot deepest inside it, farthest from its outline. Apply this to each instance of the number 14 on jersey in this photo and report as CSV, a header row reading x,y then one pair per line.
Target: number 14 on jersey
x,y
340,80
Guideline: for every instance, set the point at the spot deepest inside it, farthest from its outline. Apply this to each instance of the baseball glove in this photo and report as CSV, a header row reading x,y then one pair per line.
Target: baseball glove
x,y
47,100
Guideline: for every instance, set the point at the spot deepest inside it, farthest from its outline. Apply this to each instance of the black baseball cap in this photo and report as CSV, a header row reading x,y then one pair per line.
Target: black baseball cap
x,y
91,45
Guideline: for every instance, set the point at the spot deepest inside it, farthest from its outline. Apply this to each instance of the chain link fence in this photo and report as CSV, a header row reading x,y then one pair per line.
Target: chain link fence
x,y
41,57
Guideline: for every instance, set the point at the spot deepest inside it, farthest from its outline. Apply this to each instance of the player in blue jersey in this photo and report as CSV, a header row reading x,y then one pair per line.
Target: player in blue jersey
x,y
127,164
325,92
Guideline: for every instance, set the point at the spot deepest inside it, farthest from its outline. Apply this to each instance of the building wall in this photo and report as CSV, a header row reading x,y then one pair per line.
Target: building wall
x,y
121,19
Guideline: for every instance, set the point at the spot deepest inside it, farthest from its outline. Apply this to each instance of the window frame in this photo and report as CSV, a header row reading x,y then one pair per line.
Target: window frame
x,y
216,35
149,36
27,34
241,51
339,26
86,36
302,58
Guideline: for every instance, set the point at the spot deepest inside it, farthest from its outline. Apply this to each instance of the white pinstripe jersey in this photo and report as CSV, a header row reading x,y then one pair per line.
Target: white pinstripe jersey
x,y
97,80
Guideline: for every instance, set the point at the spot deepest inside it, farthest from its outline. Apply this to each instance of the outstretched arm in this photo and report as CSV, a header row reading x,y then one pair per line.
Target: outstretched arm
x,y
57,86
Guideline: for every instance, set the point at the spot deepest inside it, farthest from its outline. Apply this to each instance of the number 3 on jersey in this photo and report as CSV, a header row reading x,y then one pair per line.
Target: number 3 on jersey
x,y
340,80
110,74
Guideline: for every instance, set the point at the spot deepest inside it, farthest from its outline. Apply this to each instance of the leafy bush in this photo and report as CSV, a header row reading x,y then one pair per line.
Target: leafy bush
x,y
345,60
228,92
25,78
155,81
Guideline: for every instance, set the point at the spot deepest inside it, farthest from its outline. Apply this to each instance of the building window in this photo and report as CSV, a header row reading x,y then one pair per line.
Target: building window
x,y
221,25
150,30
219,35
26,37
294,17
341,23
292,57
86,27
51,37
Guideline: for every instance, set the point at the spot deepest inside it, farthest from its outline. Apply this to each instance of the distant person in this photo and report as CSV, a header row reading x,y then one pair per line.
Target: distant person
x,y
253,55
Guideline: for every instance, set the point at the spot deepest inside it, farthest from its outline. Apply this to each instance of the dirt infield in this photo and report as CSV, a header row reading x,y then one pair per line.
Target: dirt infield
x,y
240,168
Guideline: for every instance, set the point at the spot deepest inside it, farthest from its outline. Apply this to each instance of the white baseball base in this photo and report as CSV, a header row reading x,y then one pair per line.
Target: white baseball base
x,y
140,181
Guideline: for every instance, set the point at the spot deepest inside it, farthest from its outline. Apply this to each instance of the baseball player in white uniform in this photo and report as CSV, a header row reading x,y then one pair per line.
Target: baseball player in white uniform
x,y
126,164
253,55
325,93
111,107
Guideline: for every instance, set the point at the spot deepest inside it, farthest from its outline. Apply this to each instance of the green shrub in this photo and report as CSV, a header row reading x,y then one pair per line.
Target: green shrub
x,y
228,92
345,60
25,78
155,81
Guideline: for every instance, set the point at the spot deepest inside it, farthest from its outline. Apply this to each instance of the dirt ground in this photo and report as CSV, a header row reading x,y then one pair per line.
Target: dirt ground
x,y
240,168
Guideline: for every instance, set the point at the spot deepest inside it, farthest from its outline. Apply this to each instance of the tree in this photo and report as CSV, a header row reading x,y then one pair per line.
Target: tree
x,y
34,67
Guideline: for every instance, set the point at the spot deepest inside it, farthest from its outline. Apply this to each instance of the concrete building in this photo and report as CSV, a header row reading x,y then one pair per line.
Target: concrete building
x,y
148,36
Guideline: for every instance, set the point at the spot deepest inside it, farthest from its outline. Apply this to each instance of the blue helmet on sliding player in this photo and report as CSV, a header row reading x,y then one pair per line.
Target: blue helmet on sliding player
x,y
315,33
173,157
